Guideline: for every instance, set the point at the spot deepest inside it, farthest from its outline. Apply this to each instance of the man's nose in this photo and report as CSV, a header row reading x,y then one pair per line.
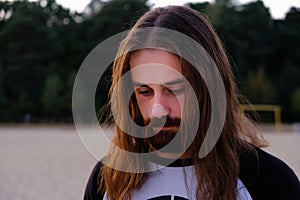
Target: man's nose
x,y
157,111
159,108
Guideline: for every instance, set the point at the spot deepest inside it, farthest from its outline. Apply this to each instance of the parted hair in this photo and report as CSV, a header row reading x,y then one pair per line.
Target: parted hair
x,y
218,171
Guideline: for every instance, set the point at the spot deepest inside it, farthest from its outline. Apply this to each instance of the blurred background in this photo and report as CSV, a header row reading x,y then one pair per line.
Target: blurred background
x,y
43,43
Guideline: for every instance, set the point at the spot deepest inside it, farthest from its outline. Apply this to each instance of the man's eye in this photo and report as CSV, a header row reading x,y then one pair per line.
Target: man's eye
x,y
177,91
144,91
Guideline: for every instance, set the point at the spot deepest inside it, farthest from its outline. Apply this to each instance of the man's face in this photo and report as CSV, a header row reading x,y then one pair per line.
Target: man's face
x,y
159,89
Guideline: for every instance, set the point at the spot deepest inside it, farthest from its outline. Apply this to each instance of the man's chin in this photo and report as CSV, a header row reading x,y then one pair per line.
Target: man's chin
x,y
170,150
166,142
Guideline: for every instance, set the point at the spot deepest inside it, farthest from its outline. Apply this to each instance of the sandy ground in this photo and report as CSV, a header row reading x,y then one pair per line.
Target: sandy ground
x,y
46,163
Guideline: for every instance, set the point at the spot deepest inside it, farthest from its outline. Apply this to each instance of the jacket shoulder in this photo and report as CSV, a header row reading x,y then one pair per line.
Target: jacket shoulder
x,y
268,177
91,190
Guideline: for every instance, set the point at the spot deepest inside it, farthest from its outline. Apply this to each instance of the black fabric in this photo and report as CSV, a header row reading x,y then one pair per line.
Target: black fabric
x,y
265,177
93,184
171,163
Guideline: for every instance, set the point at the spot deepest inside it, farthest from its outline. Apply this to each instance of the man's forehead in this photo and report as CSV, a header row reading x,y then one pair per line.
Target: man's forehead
x,y
155,66
155,73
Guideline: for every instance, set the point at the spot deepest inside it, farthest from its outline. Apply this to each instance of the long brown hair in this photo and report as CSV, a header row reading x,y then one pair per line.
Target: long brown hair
x,y
216,173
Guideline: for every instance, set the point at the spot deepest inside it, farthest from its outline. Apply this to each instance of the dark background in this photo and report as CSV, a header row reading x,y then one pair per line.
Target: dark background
x,y
43,44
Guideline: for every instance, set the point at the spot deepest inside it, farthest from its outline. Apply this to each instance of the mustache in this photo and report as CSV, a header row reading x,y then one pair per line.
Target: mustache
x,y
167,122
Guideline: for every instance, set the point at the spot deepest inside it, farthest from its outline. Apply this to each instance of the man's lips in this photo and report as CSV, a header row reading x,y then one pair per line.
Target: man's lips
x,y
165,128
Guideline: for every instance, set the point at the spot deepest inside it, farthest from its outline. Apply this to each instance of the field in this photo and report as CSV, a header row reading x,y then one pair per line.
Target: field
x,y
50,162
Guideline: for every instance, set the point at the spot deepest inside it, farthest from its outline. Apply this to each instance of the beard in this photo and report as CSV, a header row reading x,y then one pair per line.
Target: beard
x,y
161,141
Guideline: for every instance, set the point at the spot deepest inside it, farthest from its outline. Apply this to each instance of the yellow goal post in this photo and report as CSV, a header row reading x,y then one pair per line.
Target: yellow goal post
x,y
276,109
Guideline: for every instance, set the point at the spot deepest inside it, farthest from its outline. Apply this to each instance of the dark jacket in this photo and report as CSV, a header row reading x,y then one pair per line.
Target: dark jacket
x,y
264,175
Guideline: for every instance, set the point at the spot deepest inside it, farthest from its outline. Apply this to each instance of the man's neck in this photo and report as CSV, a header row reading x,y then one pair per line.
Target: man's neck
x,y
186,155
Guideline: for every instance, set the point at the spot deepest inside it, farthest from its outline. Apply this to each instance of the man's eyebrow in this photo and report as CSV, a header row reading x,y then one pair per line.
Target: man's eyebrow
x,y
137,84
169,83
174,82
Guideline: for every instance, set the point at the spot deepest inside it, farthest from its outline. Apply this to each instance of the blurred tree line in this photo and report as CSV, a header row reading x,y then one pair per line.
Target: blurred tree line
x,y
43,44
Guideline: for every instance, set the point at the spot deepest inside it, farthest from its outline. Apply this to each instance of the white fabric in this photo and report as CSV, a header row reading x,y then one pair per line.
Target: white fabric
x,y
169,183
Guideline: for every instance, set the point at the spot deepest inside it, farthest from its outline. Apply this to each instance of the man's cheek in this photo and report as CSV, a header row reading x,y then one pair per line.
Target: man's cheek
x,y
179,105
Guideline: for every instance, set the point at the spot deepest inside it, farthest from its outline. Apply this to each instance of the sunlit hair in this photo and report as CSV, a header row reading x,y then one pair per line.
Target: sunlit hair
x,y
216,173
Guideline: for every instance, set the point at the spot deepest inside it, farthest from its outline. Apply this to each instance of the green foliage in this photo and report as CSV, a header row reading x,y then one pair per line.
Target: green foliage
x,y
287,82
105,23
295,102
43,45
52,96
3,99
259,88
264,53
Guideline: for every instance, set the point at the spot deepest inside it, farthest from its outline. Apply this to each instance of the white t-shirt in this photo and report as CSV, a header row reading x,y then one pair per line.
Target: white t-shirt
x,y
169,183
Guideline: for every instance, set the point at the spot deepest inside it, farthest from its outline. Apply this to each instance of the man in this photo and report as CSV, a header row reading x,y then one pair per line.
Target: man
x,y
189,139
